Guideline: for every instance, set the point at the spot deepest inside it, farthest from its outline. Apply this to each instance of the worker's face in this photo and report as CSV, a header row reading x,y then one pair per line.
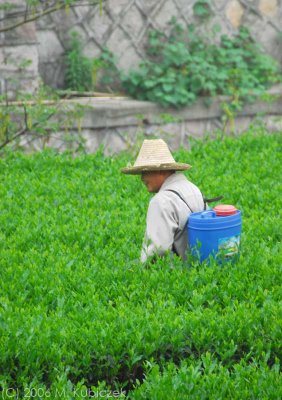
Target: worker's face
x,y
153,180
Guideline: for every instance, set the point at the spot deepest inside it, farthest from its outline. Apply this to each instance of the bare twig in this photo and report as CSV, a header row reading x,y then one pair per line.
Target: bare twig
x,y
37,15
26,128
24,131
6,103
26,12
25,117
91,94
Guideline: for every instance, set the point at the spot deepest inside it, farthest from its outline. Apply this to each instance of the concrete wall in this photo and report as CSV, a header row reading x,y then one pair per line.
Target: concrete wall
x,y
19,58
118,123
123,28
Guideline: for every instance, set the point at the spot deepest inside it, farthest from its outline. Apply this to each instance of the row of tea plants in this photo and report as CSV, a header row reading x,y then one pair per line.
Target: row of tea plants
x,y
81,317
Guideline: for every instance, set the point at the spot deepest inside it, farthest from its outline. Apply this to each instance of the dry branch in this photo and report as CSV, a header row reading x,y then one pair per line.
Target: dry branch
x,y
35,15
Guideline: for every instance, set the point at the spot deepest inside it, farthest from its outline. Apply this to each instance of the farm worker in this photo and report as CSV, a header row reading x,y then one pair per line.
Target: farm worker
x,y
176,197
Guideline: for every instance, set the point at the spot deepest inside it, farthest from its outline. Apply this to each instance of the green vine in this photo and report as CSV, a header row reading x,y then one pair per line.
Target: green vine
x,y
79,69
85,74
202,9
184,65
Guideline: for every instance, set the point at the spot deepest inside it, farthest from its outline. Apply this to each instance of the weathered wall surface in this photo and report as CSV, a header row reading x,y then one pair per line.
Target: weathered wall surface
x,y
123,28
19,58
118,123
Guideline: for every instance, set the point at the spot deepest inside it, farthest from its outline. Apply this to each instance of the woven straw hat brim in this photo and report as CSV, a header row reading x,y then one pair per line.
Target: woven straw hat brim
x,y
157,167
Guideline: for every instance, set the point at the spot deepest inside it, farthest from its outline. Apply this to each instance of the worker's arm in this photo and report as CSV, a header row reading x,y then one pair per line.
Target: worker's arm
x,y
161,225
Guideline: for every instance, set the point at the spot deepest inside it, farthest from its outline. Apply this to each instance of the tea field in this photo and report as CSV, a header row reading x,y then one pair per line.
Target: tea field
x,y
81,317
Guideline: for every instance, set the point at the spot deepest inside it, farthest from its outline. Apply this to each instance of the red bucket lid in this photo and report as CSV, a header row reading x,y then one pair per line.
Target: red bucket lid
x,y
224,210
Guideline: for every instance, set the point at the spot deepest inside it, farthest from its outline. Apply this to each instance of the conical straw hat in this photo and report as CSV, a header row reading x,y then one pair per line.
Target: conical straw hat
x,y
154,155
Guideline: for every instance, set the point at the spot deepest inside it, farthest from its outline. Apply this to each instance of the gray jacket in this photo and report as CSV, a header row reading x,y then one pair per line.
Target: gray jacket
x,y
167,217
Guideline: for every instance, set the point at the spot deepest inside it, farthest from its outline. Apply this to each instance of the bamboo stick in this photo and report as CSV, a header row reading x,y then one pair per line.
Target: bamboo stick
x,y
61,100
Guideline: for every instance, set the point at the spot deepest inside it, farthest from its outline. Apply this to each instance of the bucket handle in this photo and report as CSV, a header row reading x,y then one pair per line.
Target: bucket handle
x,y
208,214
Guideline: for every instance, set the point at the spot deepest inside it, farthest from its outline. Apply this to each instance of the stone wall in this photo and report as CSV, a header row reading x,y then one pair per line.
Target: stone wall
x,y
118,124
122,27
19,59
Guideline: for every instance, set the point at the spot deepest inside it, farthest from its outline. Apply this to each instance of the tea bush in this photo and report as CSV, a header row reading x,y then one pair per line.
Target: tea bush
x,y
80,316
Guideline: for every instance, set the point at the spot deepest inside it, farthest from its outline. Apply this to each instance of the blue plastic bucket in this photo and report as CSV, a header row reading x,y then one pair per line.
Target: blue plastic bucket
x,y
213,235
